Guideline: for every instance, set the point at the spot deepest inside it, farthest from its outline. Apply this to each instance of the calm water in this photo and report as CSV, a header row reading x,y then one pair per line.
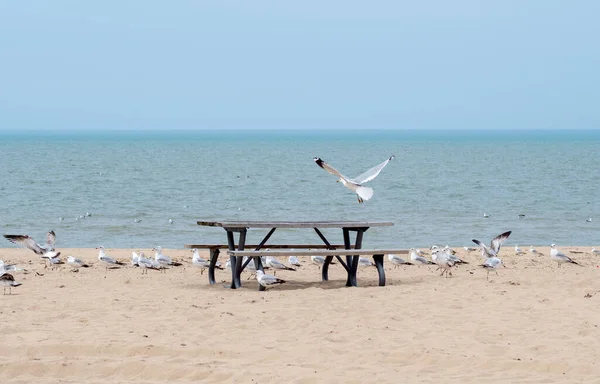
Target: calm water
x,y
435,191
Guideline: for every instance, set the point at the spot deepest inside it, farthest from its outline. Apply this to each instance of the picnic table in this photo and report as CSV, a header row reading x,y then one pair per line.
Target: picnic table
x,y
241,228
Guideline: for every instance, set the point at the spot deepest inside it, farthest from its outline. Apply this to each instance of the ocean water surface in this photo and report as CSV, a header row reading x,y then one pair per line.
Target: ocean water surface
x,y
435,191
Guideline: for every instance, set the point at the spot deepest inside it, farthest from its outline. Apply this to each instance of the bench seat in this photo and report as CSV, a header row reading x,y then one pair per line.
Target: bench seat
x,y
351,264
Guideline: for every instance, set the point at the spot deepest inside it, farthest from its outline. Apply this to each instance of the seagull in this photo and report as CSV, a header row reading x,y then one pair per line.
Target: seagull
x,y
145,264
485,215
398,261
45,251
364,262
137,220
491,263
589,220
293,260
595,251
495,245
201,263
276,264
356,184
443,260
417,259
518,250
535,251
135,259
77,263
163,259
560,257
7,280
170,221
469,249
267,280
8,267
103,257
319,260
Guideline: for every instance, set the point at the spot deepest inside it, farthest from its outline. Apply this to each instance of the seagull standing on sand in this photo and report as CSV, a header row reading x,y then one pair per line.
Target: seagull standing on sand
x,y
44,251
135,259
518,251
356,184
495,245
560,257
267,280
443,261
201,263
364,262
107,260
319,260
535,251
418,259
595,251
293,260
145,264
7,280
397,260
491,263
77,263
276,264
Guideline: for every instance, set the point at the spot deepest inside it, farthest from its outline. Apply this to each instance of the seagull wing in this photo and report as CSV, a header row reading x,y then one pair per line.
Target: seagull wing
x,y
371,173
328,168
25,241
498,240
50,240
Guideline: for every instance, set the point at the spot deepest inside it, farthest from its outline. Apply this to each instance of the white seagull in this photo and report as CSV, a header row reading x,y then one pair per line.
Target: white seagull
x,y
201,263
364,262
595,251
443,260
491,263
397,260
135,259
45,251
103,257
560,257
518,250
495,245
267,280
276,264
319,260
356,184
535,251
8,267
293,260
7,280
418,259
145,264
77,263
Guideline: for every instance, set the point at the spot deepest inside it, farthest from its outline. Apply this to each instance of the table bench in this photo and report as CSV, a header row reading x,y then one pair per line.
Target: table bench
x,y
378,257
215,250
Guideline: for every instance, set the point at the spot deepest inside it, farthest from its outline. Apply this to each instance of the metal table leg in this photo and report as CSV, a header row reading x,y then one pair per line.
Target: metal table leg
x,y
379,264
236,262
214,255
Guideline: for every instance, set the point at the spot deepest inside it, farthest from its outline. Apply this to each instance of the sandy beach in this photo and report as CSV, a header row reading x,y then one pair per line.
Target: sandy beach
x,y
532,323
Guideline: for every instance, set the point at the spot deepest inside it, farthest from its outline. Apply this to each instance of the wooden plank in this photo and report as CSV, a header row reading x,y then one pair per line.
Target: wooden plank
x,y
295,224
336,252
271,246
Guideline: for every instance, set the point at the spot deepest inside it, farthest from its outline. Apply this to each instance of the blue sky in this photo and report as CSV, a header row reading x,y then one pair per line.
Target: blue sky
x,y
70,65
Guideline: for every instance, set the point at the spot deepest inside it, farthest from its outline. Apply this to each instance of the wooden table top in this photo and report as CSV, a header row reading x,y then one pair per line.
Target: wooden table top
x,y
295,224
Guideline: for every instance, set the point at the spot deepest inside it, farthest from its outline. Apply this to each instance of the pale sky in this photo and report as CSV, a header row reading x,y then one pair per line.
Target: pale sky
x,y
142,64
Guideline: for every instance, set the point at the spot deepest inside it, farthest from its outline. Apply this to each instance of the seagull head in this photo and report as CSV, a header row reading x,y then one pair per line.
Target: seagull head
x,y
100,247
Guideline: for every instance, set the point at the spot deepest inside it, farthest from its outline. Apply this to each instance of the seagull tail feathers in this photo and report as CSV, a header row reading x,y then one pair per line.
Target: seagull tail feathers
x,y
365,193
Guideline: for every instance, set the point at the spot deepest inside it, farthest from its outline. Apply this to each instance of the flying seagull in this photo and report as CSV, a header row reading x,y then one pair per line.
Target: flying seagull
x,y
494,247
45,251
355,184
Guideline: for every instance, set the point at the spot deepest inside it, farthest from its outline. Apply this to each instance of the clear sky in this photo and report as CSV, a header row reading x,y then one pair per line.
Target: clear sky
x,y
143,64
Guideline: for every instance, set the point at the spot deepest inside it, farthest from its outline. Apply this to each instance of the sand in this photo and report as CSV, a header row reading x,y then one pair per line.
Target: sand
x,y
534,323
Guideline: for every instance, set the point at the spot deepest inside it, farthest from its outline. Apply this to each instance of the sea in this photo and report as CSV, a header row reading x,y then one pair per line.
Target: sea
x,y
132,189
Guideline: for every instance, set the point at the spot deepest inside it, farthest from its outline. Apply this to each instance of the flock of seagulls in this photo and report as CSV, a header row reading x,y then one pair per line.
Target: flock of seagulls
x,y
444,258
